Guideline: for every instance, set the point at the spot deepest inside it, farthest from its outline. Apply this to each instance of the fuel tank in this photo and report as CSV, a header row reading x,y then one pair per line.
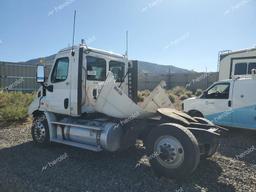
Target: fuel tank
x,y
106,135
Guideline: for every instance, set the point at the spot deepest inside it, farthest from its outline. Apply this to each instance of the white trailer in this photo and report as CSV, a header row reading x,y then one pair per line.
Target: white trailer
x,y
90,101
236,63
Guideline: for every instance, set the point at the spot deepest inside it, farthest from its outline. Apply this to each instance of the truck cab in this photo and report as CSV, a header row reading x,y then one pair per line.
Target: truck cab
x,y
228,103
77,75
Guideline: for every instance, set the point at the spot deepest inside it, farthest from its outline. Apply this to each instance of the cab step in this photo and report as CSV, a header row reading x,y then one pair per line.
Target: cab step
x,y
79,145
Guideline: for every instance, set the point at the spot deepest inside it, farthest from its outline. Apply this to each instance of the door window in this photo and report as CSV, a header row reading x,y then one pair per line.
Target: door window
x,y
96,69
218,91
60,71
117,68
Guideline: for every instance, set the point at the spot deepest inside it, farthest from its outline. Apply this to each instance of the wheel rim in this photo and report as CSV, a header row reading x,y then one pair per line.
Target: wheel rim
x,y
39,132
170,151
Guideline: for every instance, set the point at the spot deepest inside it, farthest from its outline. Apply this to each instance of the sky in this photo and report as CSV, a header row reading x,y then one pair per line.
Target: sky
x,y
184,33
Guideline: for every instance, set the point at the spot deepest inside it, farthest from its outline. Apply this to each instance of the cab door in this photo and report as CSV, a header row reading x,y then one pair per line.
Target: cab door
x,y
57,98
96,67
217,102
244,107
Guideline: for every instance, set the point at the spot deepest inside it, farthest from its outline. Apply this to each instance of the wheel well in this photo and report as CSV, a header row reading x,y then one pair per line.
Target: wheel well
x,y
195,113
37,113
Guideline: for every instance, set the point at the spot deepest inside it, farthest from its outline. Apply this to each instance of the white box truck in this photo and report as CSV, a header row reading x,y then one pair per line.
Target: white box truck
x,y
236,63
230,102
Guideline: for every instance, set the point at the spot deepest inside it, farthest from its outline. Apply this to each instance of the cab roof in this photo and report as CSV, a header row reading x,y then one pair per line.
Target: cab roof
x,y
236,78
230,52
99,51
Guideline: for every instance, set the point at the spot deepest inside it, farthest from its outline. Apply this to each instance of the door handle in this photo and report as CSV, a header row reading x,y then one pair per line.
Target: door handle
x,y
229,103
66,103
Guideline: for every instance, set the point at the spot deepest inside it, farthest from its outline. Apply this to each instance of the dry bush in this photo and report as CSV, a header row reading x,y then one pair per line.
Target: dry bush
x,y
143,94
198,92
14,106
176,95
172,97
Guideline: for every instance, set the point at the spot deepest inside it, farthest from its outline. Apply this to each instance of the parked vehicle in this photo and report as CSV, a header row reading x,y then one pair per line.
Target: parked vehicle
x,y
90,102
229,103
236,63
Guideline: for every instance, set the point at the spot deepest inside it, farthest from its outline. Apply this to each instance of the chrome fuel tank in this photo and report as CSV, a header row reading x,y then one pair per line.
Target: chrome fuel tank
x,y
107,135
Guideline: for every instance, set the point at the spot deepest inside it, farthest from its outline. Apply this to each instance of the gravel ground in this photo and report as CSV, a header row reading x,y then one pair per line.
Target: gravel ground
x,y
26,167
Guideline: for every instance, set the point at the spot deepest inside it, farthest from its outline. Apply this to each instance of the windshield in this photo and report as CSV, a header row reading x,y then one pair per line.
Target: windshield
x,y
118,70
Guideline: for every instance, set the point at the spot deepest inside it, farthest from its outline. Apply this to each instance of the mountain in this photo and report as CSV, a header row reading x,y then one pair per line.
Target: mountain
x,y
153,68
143,67
48,60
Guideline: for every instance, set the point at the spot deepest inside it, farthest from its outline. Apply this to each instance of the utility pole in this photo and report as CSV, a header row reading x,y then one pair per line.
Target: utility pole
x,y
206,77
169,78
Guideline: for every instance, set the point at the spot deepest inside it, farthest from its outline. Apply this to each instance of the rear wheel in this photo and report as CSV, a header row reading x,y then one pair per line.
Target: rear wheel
x,y
40,131
173,151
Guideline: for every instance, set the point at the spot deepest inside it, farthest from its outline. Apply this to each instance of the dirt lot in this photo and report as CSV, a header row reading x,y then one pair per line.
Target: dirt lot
x,y
26,167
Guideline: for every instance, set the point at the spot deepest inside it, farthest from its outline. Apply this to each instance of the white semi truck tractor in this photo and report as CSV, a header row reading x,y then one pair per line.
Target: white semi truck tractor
x,y
89,101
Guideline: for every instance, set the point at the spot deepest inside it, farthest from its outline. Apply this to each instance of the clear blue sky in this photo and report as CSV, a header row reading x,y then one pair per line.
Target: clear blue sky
x,y
183,33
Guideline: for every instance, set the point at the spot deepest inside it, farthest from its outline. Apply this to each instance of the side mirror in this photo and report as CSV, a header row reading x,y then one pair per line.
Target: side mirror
x,y
40,74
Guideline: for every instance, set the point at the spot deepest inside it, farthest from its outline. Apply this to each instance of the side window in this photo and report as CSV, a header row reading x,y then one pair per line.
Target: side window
x,y
117,68
218,91
60,71
96,69
250,67
240,69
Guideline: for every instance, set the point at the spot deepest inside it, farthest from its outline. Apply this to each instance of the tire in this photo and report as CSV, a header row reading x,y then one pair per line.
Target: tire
x,y
195,113
173,151
40,131
211,148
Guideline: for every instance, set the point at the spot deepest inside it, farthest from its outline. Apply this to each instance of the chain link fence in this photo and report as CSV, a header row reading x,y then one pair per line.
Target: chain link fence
x,y
19,77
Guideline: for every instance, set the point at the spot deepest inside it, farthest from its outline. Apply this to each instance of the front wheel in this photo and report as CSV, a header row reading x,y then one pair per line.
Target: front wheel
x,y
173,151
40,131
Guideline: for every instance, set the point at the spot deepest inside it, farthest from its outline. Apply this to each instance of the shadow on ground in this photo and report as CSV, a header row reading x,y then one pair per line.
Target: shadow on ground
x,y
240,145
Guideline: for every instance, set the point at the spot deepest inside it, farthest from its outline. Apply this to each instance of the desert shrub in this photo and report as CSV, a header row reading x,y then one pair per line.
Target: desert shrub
x,y
14,106
179,90
183,97
140,97
189,93
172,97
143,94
198,92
